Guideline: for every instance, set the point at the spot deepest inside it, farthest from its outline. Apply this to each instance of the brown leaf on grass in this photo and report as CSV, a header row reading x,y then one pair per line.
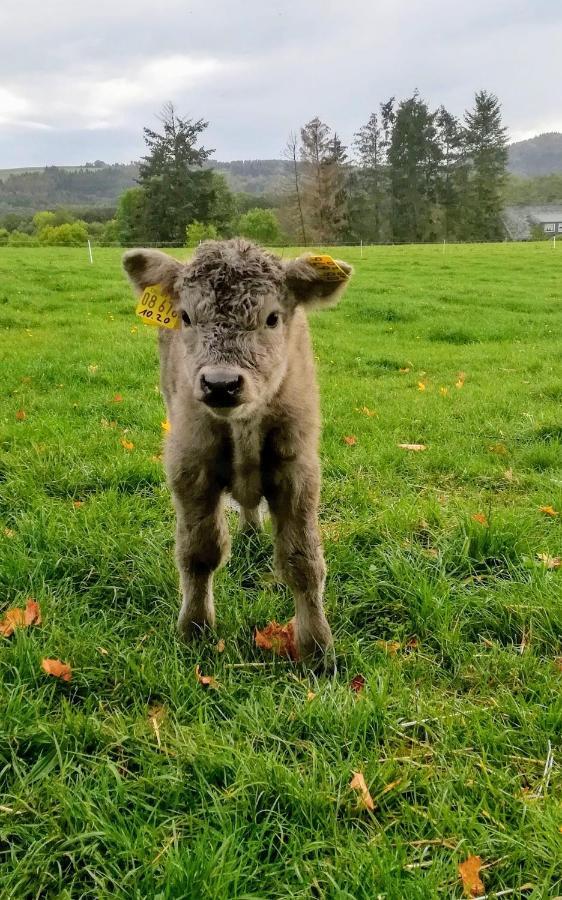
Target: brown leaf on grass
x,y
220,646
357,684
77,504
166,427
549,562
21,415
57,669
390,647
548,510
128,445
310,695
508,474
469,870
480,518
20,618
415,448
278,638
421,386
106,423
367,412
206,680
350,440
404,370
461,379
558,663
359,785
9,532
117,398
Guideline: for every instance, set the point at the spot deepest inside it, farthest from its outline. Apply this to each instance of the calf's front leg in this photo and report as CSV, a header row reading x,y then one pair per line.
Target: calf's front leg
x,y
299,557
202,545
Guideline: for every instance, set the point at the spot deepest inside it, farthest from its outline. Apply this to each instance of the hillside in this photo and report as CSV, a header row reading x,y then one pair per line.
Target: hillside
x,y
541,155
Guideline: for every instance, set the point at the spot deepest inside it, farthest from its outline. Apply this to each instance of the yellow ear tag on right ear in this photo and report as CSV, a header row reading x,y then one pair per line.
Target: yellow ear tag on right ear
x,y
155,307
327,268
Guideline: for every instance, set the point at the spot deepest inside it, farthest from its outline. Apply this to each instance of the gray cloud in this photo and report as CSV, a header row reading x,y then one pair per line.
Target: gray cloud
x,y
78,82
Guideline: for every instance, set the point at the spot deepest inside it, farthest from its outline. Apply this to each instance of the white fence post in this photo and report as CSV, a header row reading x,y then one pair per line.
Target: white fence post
x,y
90,251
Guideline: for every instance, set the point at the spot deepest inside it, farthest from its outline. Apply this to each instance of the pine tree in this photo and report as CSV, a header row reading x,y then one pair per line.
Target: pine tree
x,y
486,148
324,181
452,175
370,186
178,190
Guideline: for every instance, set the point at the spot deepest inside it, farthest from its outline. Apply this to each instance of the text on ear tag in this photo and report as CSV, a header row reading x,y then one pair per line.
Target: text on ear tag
x,y
328,268
155,307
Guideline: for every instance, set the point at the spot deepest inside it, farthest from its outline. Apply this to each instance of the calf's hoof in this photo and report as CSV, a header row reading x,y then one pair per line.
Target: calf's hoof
x,y
315,645
192,626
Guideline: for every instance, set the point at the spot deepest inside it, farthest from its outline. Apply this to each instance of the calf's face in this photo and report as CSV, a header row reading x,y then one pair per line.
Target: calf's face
x,y
236,303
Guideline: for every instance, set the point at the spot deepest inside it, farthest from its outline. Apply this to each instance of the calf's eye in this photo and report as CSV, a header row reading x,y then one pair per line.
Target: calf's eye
x,y
272,320
185,318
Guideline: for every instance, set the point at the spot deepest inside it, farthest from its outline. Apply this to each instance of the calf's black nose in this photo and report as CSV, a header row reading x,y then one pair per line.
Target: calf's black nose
x,y
220,387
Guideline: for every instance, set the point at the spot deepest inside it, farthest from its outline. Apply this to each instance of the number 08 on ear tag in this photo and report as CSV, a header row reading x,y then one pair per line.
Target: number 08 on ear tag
x,y
155,307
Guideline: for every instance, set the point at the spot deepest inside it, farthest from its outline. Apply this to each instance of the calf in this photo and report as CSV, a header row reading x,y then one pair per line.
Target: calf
x,y
239,383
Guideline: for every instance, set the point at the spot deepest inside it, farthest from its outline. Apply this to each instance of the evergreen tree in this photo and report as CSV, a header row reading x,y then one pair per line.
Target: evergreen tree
x,y
452,176
324,196
177,189
486,148
413,159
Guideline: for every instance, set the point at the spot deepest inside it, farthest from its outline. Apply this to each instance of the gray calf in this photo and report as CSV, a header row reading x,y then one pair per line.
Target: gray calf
x,y
240,388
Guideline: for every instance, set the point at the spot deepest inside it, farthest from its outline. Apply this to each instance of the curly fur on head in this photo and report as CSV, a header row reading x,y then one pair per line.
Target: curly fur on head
x,y
225,265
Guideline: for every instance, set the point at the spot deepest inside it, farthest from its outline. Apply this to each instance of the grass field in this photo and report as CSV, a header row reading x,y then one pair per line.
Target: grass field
x,y
133,780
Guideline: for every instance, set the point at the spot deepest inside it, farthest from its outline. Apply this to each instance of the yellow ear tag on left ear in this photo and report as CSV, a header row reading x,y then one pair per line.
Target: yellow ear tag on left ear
x,y
327,268
155,307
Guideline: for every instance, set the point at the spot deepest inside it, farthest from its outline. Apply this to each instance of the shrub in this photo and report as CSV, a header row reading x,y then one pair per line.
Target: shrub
x,y
260,225
200,231
4,235
70,235
20,239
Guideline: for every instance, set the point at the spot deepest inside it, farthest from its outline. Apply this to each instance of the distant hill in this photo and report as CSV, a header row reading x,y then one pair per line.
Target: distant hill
x,y
541,155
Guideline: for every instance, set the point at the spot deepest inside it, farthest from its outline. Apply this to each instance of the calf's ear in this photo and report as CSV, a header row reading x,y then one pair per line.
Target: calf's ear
x,y
148,267
316,284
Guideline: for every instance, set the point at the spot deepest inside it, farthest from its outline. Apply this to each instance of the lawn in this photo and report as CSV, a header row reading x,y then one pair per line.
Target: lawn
x,y
133,780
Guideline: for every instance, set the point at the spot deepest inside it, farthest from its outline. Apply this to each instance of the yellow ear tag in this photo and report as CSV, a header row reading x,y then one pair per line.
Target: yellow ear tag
x,y
327,268
155,307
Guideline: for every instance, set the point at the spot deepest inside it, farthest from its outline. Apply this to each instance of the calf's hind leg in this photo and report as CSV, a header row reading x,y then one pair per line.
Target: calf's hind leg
x,y
202,545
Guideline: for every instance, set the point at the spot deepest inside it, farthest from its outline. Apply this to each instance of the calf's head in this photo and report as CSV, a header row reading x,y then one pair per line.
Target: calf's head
x,y
236,303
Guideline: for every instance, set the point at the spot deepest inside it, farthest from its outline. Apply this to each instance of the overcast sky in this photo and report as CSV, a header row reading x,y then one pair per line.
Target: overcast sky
x,y
79,80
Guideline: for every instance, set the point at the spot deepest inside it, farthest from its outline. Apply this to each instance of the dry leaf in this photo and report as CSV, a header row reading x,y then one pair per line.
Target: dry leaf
x,y
390,787
390,647
469,870
117,398
105,423
128,445
206,680
57,668
20,618
156,714
416,448
548,510
359,784
278,638
134,329
367,412
9,532
21,415
92,369
550,562
461,378
443,391
220,646
558,663
480,518
310,695
350,440
404,371
156,457
77,503
103,651
357,684
508,474
421,386
499,448
166,426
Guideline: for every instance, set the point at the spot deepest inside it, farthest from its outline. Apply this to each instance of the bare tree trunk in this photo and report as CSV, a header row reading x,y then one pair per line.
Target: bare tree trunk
x,y
291,151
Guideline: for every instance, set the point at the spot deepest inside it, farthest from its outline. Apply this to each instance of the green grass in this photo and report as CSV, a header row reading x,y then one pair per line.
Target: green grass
x,y
244,791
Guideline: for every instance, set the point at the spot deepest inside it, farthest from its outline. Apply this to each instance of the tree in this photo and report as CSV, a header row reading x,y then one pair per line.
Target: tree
x,y
260,225
131,216
223,210
452,174
71,234
295,204
413,159
200,231
486,147
324,198
178,190
4,235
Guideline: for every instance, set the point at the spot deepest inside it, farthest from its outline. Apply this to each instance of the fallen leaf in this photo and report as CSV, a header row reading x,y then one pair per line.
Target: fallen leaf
x,y
367,412
92,369
549,562
480,518
156,457
390,787
548,510
350,440
9,532
359,784
220,646
310,695
20,618
105,423
461,378
103,651
21,415
416,448
404,371
166,426
421,386
128,445
508,474
77,503
390,647
278,638
443,391
357,684
134,329
57,668
206,680
469,870
117,398
412,643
